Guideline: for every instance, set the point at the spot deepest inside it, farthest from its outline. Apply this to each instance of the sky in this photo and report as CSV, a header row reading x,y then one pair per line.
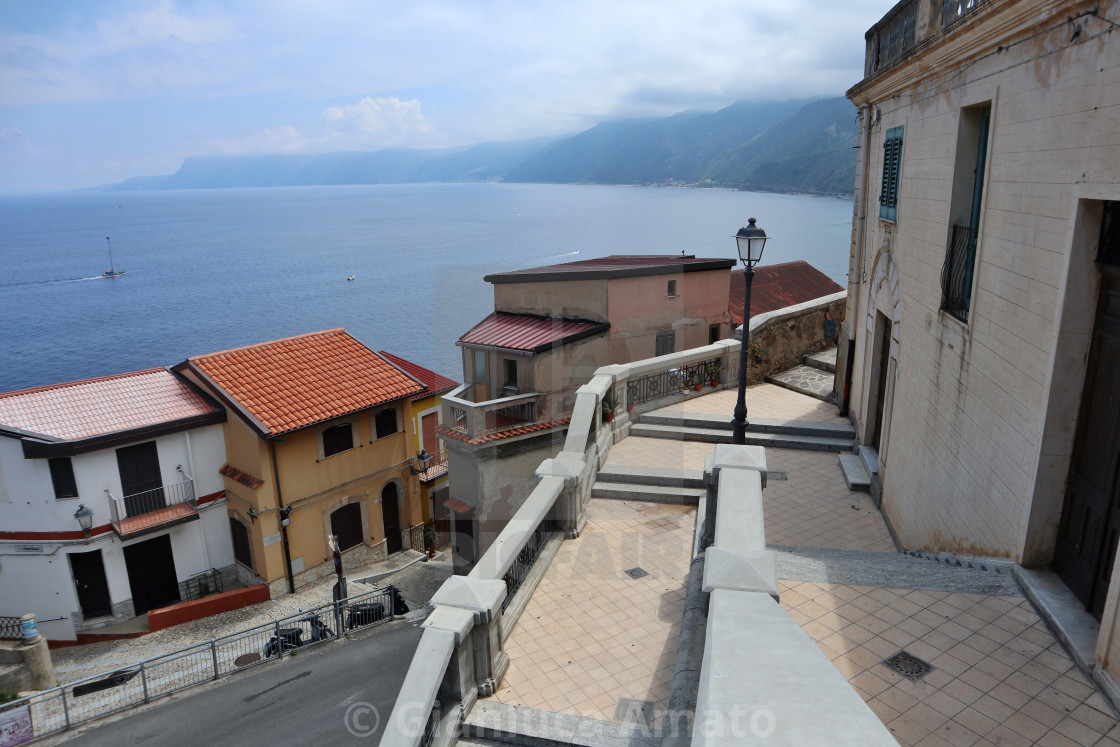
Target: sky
x,y
97,91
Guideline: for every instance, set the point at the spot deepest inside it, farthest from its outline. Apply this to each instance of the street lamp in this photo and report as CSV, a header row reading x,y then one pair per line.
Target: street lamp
x,y
751,241
85,518
419,464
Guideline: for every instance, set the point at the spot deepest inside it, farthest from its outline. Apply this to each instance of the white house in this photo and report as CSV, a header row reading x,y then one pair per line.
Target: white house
x,y
137,456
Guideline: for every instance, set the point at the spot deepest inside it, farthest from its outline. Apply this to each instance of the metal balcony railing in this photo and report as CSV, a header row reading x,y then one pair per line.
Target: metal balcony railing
x,y
957,272
152,507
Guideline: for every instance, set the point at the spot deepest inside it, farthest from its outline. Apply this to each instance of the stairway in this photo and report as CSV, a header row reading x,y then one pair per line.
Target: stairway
x,y
814,377
781,434
654,484
858,467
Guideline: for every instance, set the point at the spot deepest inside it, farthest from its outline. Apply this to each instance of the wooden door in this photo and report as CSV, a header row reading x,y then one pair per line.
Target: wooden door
x,y
429,441
141,482
882,371
89,579
391,519
1090,525
151,574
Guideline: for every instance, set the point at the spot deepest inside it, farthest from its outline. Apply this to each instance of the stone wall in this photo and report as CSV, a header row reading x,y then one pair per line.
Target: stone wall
x,y
779,339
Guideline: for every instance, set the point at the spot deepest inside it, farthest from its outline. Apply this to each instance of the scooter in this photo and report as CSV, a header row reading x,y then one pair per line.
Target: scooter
x,y
293,637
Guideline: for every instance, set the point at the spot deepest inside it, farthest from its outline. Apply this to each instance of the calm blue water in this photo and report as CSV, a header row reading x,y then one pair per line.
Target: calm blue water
x,y
208,270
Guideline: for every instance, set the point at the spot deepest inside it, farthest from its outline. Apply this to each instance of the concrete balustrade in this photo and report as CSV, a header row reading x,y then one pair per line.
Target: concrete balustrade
x,y
762,677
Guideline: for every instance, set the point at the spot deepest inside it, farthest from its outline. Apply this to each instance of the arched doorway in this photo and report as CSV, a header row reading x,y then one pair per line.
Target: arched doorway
x,y
391,518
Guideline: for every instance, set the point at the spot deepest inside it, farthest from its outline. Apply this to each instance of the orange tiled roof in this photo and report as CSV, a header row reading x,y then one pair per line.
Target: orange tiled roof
x,y
233,473
92,407
443,430
436,383
298,381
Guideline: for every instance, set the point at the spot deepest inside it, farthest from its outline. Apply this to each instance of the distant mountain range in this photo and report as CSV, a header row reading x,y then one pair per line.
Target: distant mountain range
x,y
793,146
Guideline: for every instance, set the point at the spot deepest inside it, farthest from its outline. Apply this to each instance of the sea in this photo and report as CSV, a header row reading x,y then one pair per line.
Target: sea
x,y
208,270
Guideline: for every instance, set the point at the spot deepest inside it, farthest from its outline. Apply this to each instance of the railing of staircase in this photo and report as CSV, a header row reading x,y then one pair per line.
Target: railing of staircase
x,y
525,559
10,628
672,381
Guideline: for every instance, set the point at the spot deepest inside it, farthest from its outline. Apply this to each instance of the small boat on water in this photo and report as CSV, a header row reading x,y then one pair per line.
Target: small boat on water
x,y
351,277
111,273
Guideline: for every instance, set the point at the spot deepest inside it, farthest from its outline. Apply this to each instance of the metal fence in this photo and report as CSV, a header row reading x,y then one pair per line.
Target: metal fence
x,y
525,559
203,584
672,381
74,703
10,627
956,273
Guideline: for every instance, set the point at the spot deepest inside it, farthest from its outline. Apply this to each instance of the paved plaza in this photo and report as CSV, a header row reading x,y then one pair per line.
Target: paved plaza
x,y
592,640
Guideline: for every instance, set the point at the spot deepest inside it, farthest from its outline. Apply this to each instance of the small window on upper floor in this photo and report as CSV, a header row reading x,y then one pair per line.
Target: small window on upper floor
x,y
713,333
337,438
672,291
385,422
62,476
892,170
511,373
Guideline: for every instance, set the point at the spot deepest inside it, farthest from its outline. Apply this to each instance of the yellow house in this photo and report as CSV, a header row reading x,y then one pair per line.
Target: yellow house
x,y
426,413
320,441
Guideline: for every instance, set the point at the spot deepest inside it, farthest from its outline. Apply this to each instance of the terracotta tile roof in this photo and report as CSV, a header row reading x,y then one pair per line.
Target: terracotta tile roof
x,y
778,286
530,333
93,407
530,428
298,381
436,383
614,266
249,481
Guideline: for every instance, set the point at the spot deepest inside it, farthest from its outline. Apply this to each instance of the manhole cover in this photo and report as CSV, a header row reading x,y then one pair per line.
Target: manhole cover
x,y
775,475
246,659
908,665
635,572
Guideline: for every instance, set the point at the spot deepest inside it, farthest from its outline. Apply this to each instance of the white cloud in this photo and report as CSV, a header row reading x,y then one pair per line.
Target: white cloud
x,y
376,123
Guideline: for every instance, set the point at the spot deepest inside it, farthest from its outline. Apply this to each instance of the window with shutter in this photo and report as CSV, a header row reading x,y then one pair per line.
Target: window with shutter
x,y
892,167
346,525
666,343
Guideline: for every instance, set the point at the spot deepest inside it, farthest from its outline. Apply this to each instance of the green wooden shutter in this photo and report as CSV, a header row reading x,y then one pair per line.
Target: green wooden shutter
x,y
892,168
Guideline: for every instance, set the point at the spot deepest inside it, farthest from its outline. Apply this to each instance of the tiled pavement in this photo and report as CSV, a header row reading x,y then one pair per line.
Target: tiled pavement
x,y
999,677
763,401
591,634
812,507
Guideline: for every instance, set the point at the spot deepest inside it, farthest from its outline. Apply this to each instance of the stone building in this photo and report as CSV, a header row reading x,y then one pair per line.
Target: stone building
x,y
983,336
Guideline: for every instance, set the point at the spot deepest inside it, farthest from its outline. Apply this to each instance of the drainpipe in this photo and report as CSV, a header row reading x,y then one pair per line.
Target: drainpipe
x,y
284,513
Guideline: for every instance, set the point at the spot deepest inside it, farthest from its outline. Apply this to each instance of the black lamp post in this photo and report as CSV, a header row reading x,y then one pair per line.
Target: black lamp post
x,y
751,241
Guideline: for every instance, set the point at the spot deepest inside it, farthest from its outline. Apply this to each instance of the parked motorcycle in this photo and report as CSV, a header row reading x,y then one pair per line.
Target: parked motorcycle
x,y
291,638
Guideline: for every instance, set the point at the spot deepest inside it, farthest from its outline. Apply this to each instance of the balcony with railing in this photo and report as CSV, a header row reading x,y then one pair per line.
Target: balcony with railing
x,y
481,421
149,510
908,24
436,469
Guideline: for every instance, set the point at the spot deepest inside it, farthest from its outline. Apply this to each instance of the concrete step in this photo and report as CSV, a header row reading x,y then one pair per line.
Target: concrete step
x,y
674,478
825,360
490,722
806,380
754,425
708,435
870,458
855,474
621,491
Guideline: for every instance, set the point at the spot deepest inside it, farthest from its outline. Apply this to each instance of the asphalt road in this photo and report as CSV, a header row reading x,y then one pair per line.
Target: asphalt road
x,y
319,696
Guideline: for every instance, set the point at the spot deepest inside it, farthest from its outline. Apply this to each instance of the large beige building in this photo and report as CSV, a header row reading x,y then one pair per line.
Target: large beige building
x,y
984,290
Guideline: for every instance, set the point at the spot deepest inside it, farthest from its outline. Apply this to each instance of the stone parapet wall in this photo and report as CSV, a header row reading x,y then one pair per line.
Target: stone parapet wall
x,y
780,339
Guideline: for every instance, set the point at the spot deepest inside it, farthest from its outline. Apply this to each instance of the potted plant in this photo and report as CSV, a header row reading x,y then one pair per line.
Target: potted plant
x,y
713,370
629,404
697,380
608,411
430,540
